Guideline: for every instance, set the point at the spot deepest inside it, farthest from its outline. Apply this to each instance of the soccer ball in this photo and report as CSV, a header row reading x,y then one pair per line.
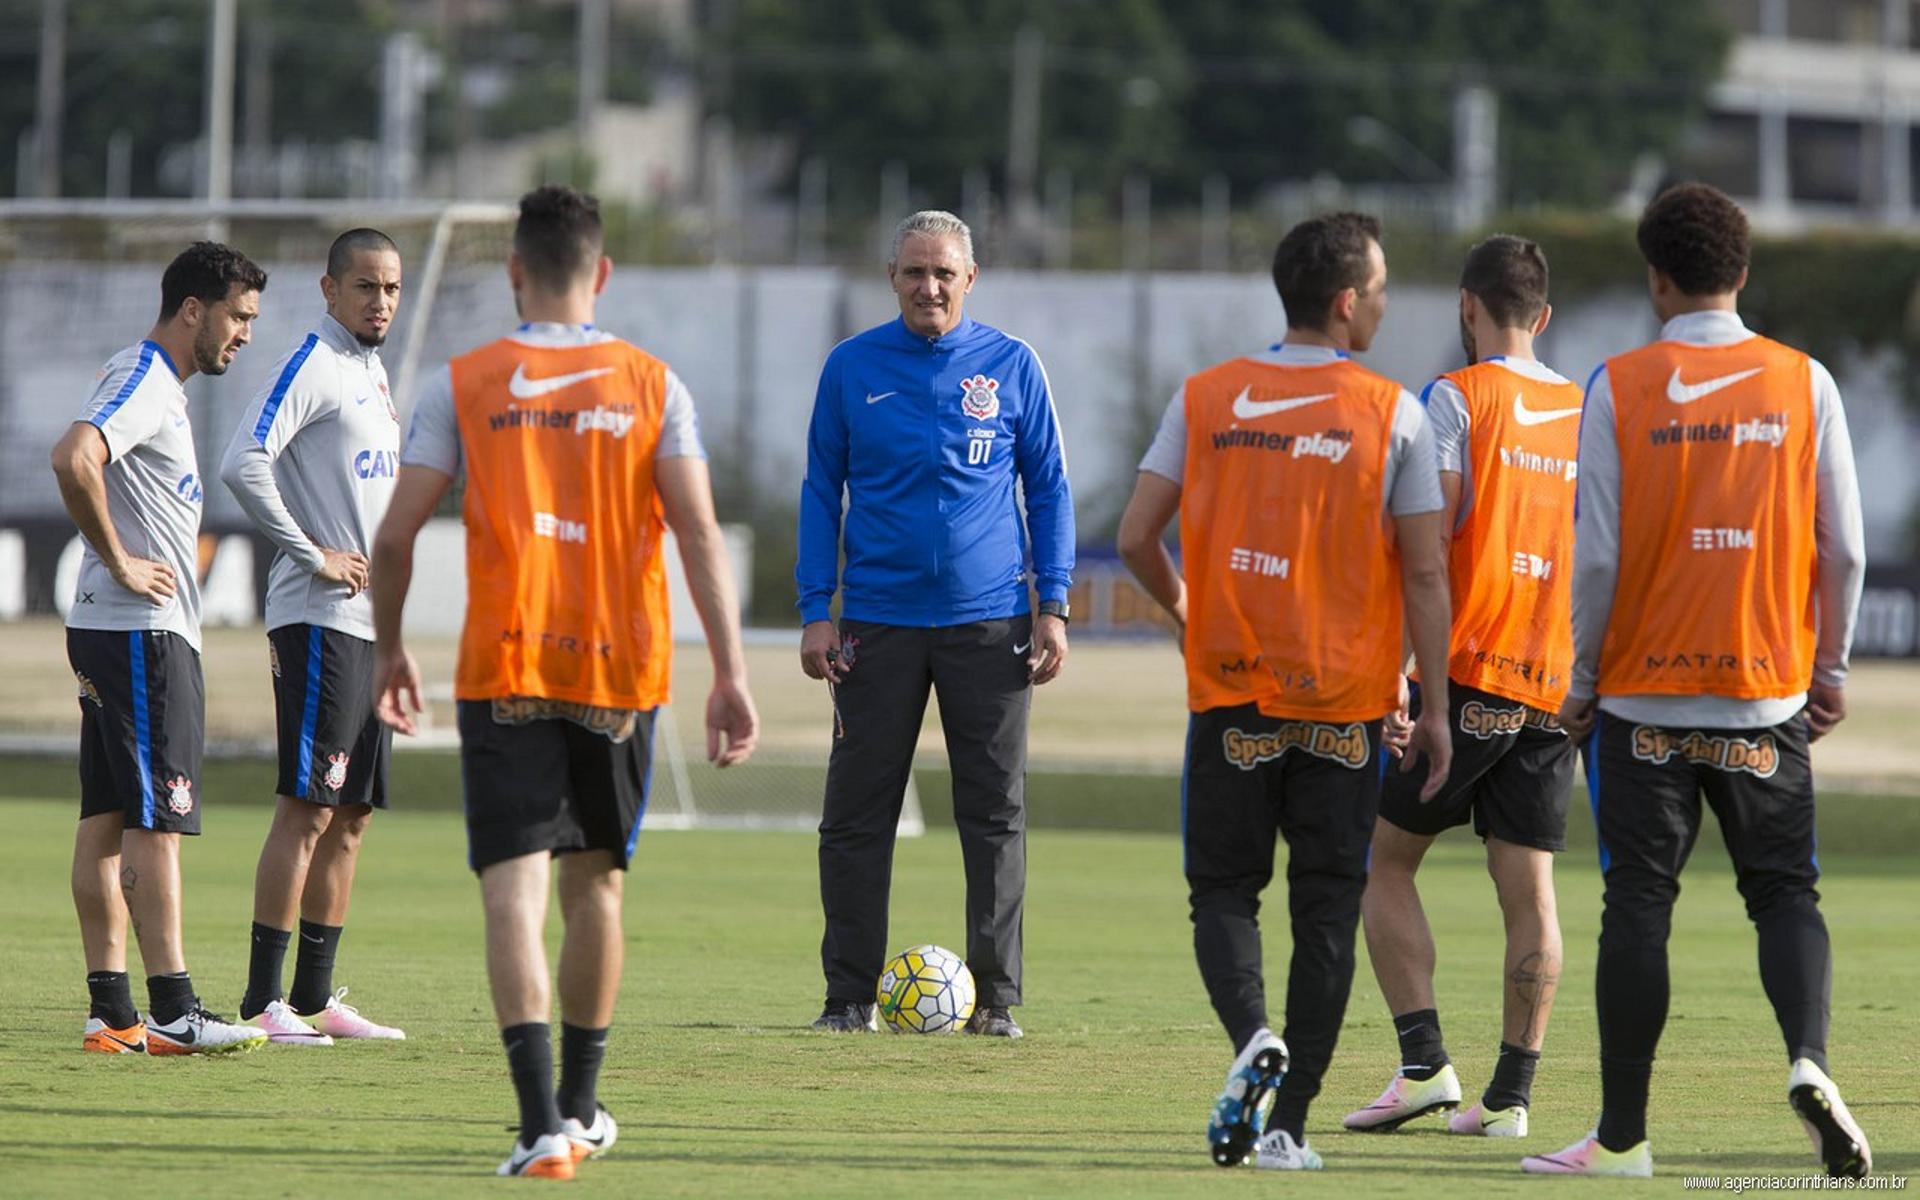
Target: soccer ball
x,y
925,990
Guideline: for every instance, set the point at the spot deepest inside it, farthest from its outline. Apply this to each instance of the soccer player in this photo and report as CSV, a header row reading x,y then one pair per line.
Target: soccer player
x,y
1506,430
313,463
131,481
1310,534
922,427
575,445
1718,565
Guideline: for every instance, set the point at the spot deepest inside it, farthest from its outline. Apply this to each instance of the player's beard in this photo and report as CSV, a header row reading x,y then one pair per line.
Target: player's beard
x,y
372,341
206,353
1466,342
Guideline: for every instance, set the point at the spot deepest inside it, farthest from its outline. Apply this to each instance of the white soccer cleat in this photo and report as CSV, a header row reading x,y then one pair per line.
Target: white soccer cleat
x,y
550,1157
591,1141
1501,1122
1836,1137
1406,1099
1588,1157
282,1025
1276,1152
200,1032
1241,1109
343,1020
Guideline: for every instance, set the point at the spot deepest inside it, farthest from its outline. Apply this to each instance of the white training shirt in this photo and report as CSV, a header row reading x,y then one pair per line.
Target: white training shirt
x,y
1839,547
154,494
433,439
1410,484
313,463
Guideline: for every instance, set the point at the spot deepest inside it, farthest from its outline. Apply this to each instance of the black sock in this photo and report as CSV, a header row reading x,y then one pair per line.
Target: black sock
x,y
1623,1102
269,954
580,1053
1512,1081
313,967
1291,1115
170,997
1422,1053
530,1059
111,998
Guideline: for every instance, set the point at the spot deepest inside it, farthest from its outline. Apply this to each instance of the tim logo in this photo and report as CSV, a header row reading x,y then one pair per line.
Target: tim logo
x,y
376,464
1531,566
88,691
1256,562
336,771
547,525
1345,744
180,795
188,488
1758,756
1722,539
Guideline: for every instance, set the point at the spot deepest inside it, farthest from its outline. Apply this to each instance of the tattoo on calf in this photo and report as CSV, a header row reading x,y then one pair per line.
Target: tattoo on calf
x,y
1534,981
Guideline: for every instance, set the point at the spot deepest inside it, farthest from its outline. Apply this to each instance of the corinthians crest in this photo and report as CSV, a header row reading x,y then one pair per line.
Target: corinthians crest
x,y
336,771
180,794
980,397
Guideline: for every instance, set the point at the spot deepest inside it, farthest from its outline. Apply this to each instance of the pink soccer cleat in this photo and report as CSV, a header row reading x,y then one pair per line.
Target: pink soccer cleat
x,y
342,1020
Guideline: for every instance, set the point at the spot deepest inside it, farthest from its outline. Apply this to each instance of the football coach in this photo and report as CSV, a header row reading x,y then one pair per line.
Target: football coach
x,y
923,426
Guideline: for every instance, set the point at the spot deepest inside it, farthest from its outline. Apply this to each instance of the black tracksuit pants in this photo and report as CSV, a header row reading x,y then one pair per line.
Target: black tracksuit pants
x,y
979,672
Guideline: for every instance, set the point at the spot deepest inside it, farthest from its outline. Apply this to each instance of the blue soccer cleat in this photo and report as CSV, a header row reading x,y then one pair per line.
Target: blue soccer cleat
x,y
1239,1113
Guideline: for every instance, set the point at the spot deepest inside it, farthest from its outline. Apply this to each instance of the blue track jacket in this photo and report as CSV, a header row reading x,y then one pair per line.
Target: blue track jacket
x,y
925,437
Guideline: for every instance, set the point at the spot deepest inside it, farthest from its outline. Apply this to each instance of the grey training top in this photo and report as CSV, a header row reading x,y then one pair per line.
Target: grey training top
x,y
433,439
1839,547
312,463
154,494
1410,485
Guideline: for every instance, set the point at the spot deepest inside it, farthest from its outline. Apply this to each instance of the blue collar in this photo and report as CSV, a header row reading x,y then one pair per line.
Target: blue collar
x,y
162,352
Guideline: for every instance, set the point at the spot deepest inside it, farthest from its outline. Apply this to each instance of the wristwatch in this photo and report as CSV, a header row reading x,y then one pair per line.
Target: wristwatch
x,y
1057,608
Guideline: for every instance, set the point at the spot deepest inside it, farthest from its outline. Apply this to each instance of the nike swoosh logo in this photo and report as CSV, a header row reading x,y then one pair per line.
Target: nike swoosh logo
x,y
1687,393
873,399
1023,649
307,937
120,1041
1249,409
523,388
1538,416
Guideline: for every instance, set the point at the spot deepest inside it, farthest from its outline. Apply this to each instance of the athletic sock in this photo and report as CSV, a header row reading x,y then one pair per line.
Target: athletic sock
x,y
1422,1053
530,1060
313,967
264,964
1623,1102
170,997
1512,1081
581,1051
111,998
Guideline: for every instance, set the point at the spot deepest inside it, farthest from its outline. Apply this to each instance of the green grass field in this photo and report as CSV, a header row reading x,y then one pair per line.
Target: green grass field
x,y
721,1091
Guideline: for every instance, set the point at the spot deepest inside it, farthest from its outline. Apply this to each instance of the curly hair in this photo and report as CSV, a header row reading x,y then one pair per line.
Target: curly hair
x,y
1695,235
1317,260
558,236
207,271
1508,275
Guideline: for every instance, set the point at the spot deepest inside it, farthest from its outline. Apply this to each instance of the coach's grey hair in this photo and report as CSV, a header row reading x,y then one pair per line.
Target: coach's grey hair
x,y
932,222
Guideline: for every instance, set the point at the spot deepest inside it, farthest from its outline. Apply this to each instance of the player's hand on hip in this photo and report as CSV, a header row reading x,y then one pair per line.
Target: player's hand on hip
x,y
1396,731
1047,652
1433,738
820,652
145,577
396,688
732,724
345,566
1577,716
1826,707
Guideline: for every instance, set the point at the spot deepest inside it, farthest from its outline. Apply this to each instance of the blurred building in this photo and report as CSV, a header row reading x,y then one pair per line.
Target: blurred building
x,y
1815,121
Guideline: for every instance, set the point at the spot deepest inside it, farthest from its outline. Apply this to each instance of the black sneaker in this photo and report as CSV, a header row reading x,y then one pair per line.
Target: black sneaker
x,y
994,1022
847,1016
